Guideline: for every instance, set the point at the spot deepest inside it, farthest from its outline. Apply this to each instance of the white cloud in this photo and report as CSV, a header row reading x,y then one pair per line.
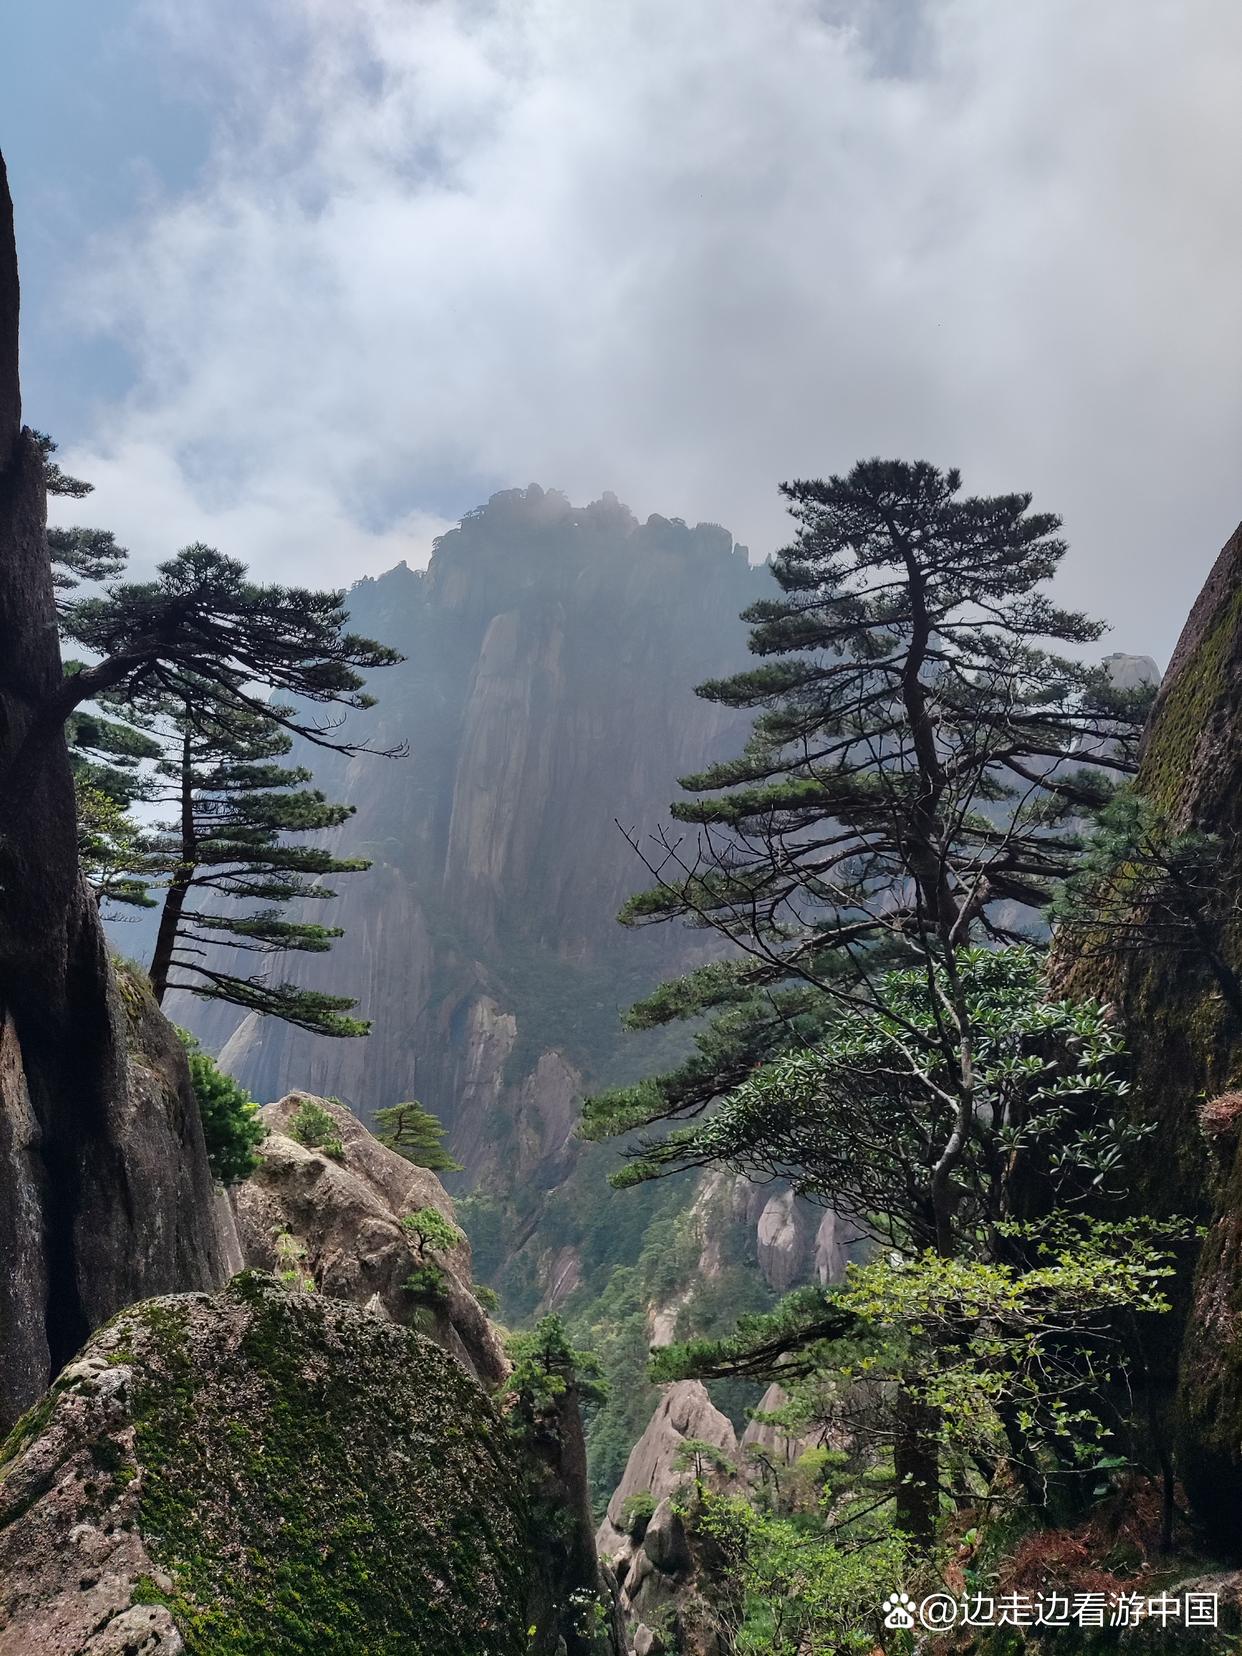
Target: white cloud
x,y
683,251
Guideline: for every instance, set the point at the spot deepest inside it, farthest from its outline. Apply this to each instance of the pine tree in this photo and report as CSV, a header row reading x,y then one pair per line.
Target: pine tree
x,y
204,626
229,842
415,1134
203,631
912,789
914,782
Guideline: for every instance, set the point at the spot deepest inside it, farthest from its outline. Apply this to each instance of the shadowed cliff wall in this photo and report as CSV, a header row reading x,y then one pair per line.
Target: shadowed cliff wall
x,y
105,1194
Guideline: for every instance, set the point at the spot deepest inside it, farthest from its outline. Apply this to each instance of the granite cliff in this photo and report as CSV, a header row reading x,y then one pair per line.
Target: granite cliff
x,y
1186,1041
341,1222
546,695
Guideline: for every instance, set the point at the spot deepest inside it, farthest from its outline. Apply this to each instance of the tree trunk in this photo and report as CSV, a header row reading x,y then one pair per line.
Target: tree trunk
x,y
916,1461
179,886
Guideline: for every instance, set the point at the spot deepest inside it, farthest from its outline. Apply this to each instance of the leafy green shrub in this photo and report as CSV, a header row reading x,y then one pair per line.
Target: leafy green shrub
x,y
636,1513
427,1282
231,1125
787,1591
317,1129
487,1297
290,1262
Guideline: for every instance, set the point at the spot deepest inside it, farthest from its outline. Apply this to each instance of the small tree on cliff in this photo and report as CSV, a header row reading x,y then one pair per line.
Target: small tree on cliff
x,y
909,791
205,628
237,811
190,662
415,1134
110,847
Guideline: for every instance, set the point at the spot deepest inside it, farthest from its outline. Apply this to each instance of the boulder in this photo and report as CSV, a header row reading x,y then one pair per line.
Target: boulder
x,y
344,1216
664,1540
213,1465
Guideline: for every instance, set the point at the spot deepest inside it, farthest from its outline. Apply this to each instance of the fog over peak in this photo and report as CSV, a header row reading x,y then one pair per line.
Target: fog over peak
x,y
682,252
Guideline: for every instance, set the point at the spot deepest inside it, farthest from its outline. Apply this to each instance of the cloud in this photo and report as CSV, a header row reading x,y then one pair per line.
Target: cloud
x,y
684,251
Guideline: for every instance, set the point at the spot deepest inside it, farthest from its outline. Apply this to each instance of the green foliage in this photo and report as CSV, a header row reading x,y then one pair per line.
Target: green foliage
x,y
745,1026
487,1297
783,1342
431,1230
428,1281
991,1347
317,1129
545,1365
203,624
861,1119
291,1263
107,753
55,480
636,1512
432,1233
109,848
701,1458
796,1592
415,1134
230,1117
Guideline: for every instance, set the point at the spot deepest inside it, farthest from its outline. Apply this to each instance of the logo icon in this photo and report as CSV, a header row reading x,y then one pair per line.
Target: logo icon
x,y
898,1610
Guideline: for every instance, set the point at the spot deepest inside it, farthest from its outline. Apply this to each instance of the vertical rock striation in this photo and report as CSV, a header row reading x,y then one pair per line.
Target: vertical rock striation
x,y
547,694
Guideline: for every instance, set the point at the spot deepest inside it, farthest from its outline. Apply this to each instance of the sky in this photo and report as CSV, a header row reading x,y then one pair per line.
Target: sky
x,y
307,279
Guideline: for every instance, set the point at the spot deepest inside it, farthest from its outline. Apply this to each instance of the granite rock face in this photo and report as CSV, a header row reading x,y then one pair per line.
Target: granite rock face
x,y
213,1466
656,1561
765,1437
105,1192
343,1217
546,696
685,1411
1186,1042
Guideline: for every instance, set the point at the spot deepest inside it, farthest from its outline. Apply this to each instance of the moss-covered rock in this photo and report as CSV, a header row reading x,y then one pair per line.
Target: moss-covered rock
x,y
261,1471
1186,1044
